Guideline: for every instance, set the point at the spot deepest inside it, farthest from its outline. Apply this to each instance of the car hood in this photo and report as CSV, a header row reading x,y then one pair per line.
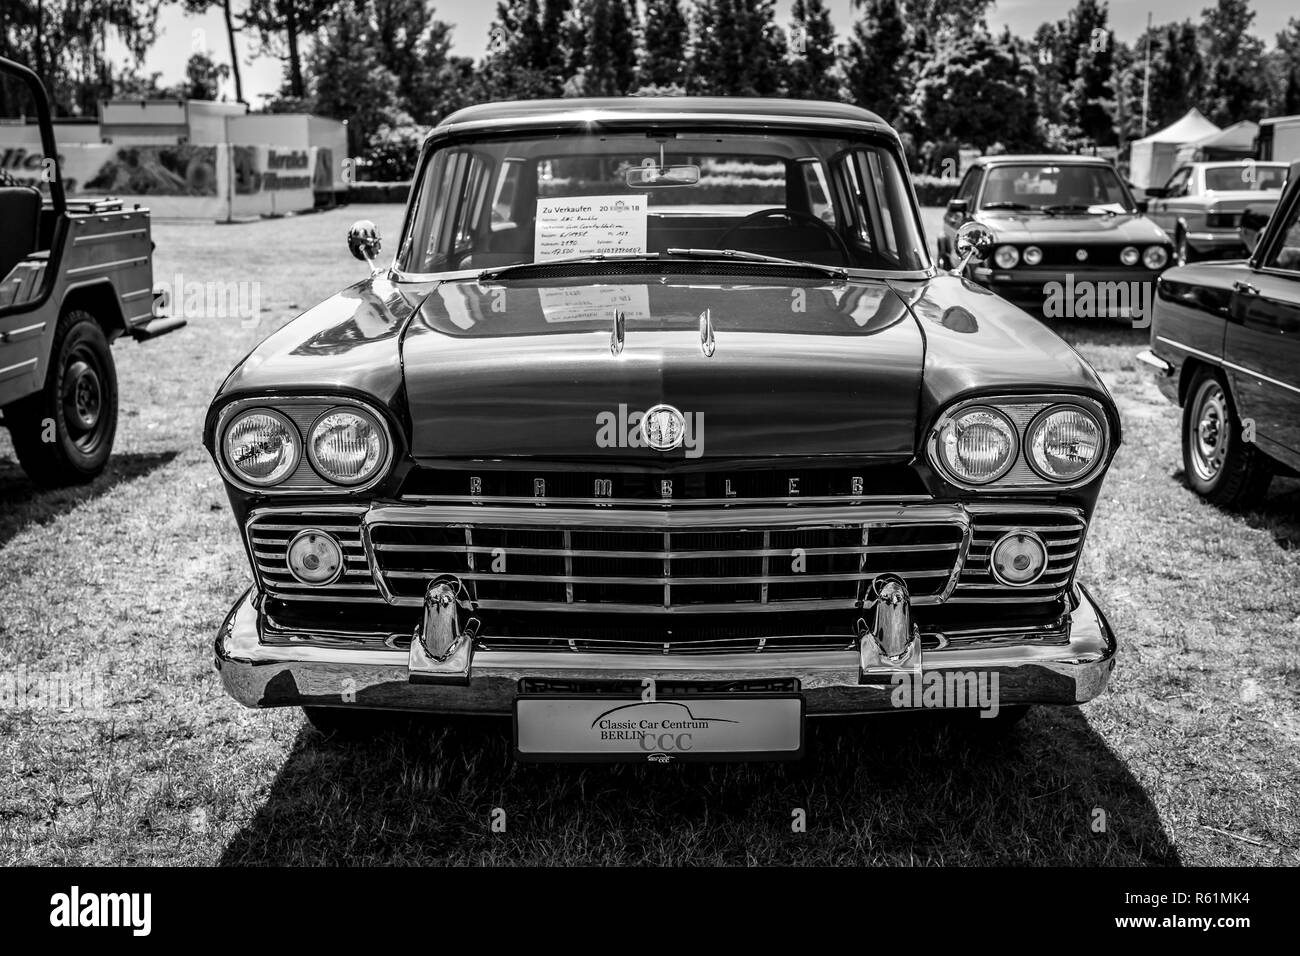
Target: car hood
x,y
520,369
1018,227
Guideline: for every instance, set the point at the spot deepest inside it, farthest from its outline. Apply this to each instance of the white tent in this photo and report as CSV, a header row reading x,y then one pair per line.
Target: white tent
x,y
1151,159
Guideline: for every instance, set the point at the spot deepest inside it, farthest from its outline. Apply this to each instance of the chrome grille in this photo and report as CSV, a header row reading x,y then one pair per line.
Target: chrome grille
x,y
779,559
1061,529
269,535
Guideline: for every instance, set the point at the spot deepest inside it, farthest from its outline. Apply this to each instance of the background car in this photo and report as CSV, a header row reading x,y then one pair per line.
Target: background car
x,y
1201,206
1054,219
1225,344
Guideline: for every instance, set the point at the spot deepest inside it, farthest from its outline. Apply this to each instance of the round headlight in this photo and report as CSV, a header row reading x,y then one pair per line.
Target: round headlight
x,y
347,446
1129,255
1018,558
1006,257
1155,257
314,557
977,445
261,446
1064,443
1033,255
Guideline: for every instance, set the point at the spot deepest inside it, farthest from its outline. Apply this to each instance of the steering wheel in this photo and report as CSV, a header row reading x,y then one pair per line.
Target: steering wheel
x,y
794,215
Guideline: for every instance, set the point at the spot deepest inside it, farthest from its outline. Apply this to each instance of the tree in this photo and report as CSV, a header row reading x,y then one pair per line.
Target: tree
x,y
1235,84
228,15
811,64
739,50
1090,99
665,35
524,61
203,77
289,21
877,65
604,48
1286,100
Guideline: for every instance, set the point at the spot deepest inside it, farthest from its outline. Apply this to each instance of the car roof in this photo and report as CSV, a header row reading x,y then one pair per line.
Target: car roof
x,y
1220,163
1057,158
630,110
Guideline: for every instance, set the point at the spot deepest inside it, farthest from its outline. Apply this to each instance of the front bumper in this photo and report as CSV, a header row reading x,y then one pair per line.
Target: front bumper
x,y
1071,666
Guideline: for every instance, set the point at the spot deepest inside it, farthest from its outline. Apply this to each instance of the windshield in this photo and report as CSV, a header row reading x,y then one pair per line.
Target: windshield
x,y
1249,176
1059,187
510,201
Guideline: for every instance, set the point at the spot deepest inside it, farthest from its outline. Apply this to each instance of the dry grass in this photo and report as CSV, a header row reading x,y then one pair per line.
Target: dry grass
x,y
1193,754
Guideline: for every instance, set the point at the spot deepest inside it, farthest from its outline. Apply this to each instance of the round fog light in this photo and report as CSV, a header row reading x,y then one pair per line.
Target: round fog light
x,y
1018,559
315,558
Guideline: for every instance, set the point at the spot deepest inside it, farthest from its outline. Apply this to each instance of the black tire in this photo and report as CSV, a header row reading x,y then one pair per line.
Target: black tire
x,y
1220,465
63,434
354,723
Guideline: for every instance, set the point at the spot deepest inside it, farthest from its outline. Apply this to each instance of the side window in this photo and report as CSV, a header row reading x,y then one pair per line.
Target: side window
x,y
503,198
969,186
1285,254
819,195
874,192
1177,185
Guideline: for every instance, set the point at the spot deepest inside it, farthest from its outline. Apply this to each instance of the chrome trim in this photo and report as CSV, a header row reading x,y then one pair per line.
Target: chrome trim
x,y
618,335
1150,358
1231,365
1040,402
441,649
607,503
708,344
385,460
276,403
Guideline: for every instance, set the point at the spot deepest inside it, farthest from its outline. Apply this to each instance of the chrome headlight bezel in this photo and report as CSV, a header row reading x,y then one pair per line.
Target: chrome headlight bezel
x,y
975,409
1022,411
303,411
233,471
1037,422
359,411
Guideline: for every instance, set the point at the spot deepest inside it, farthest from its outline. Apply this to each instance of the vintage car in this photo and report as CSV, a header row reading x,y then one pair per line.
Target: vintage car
x,y
1225,345
659,431
1057,222
1202,206
74,276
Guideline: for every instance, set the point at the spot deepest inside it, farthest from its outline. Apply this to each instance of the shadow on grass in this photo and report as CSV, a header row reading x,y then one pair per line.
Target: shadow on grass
x,y
23,503
884,790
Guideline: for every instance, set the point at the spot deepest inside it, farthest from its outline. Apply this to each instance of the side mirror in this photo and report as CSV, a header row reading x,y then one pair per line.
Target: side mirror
x,y
1157,192
1141,205
974,241
958,207
364,242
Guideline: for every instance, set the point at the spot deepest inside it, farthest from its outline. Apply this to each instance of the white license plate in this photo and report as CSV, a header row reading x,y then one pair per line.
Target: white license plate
x,y
734,727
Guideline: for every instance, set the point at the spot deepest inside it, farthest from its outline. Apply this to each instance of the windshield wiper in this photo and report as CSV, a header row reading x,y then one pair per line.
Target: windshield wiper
x,y
836,272
1067,207
1006,205
496,272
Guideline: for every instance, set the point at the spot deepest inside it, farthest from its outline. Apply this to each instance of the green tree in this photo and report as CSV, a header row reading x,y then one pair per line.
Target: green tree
x,y
603,48
812,64
738,51
283,26
1235,84
523,60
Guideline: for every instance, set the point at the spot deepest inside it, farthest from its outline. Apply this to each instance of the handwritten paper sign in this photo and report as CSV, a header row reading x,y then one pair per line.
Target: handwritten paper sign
x,y
589,225
595,303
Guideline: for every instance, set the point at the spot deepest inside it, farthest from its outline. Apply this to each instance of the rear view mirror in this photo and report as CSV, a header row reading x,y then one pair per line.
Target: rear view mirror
x,y
652,177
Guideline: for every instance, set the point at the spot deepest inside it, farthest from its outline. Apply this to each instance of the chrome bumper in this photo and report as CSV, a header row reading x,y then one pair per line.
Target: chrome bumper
x,y
443,673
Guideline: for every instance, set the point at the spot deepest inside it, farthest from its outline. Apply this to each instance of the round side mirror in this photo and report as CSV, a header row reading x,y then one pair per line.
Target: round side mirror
x,y
364,242
974,241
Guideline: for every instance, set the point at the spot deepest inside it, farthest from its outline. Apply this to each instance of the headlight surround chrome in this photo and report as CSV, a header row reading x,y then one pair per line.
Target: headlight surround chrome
x,y
1006,257
1065,443
348,446
261,446
1033,255
977,445
1155,257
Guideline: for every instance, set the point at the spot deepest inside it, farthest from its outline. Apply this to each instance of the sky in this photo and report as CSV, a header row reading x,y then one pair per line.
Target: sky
x,y
180,33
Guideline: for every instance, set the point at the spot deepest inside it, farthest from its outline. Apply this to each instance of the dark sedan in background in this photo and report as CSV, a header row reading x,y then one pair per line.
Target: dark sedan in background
x,y
1225,344
1059,220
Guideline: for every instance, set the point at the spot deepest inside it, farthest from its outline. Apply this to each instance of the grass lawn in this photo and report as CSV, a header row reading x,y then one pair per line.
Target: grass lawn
x,y
1192,755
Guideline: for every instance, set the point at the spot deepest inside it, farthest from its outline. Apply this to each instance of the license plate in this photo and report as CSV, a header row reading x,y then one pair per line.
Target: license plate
x,y
593,729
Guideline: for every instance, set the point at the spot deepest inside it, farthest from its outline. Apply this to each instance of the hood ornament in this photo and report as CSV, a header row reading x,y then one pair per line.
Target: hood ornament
x,y
618,334
707,343
663,428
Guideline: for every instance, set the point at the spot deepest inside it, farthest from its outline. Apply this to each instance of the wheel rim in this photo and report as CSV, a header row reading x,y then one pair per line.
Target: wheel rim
x,y
83,399
1209,432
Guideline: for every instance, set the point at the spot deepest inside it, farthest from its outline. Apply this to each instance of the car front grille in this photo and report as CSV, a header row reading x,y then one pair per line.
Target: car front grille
x,y
779,559
695,562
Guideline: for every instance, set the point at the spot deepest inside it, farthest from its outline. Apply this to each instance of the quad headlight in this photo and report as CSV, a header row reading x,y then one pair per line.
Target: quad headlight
x,y
347,446
1006,257
261,446
1064,443
977,445
1129,255
1011,442
1033,255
